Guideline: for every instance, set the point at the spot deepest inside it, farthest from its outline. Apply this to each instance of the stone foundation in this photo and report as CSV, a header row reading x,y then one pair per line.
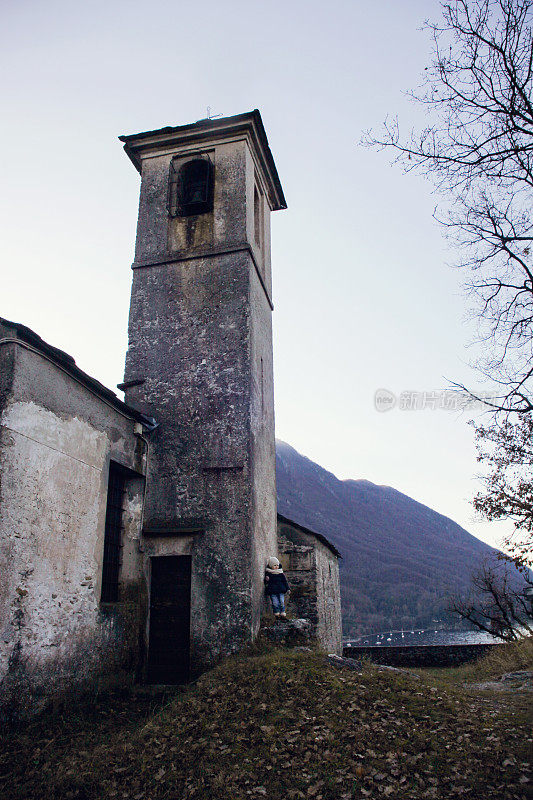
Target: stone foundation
x,y
429,655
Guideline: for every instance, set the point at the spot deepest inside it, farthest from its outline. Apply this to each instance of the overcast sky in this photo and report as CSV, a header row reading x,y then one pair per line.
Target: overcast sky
x,y
364,294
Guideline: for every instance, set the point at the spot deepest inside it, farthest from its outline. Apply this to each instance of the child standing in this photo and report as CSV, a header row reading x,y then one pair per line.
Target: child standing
x,y
276,586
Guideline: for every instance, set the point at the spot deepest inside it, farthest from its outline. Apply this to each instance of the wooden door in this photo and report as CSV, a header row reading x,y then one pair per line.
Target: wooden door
x,y
170,614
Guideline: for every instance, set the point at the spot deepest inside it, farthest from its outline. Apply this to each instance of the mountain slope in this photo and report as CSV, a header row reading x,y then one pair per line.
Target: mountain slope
x,y
401,560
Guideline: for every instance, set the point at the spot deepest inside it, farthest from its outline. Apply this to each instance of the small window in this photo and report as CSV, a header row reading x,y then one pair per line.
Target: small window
x,y
113,534
258,217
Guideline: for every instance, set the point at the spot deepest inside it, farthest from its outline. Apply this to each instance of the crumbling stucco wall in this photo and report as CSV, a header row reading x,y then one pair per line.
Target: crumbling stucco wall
x,y
192,355
263,446
56,442
329,630
312,570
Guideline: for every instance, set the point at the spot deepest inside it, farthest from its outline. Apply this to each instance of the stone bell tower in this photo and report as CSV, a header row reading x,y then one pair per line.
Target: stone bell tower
x,y
200,362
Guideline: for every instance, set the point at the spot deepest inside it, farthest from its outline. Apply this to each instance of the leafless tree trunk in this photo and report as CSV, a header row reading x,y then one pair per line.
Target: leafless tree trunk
x,y
496,605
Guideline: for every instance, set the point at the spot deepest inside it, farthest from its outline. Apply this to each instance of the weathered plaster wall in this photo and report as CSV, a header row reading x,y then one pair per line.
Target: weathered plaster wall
x,y
192,353
199,338
263,451
56,442
329,600
313,574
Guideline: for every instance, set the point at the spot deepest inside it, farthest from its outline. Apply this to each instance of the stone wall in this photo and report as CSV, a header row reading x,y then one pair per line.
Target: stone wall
x,y
299,564
313,574
56,443
428,655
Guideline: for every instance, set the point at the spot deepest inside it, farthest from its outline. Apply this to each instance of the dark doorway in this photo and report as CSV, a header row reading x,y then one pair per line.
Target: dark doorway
x,y
170,615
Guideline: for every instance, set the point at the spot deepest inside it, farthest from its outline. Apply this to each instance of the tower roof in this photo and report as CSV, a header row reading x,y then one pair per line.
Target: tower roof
x,y
204,131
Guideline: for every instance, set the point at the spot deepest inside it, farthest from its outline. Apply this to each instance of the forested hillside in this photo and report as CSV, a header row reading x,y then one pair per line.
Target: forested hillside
x,y
401,560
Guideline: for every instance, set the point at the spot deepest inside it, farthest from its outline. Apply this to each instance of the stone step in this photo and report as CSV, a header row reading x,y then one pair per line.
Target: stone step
x,y
288,632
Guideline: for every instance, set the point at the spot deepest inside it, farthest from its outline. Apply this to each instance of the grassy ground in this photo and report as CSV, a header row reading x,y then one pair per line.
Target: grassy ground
x,y
278,724
500,660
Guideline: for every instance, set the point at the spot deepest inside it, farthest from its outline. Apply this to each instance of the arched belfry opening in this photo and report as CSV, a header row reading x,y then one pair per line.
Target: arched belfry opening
x,y
190,187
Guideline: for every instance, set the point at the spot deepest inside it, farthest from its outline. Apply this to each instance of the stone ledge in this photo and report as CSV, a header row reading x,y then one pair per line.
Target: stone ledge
x,y
340,662
521,681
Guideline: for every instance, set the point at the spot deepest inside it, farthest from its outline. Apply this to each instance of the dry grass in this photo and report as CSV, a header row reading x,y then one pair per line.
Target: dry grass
x,y
499,660
508,658
280,724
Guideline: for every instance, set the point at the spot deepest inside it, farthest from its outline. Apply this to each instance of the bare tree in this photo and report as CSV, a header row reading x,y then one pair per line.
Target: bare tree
x,y
478,150
496,604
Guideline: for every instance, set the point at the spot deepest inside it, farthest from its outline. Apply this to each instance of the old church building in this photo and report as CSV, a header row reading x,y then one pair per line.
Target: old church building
x,y
134,535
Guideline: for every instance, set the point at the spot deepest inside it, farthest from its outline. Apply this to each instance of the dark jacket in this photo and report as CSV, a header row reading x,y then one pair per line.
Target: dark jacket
x,y
276,583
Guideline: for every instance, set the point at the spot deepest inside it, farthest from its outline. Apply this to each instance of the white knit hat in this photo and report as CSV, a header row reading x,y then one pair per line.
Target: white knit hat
x,y
273,563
